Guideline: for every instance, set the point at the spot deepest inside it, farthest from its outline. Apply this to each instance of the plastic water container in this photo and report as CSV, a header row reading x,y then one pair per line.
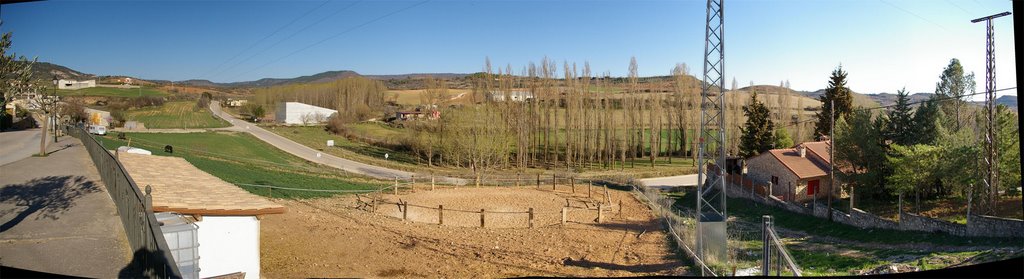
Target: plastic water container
x,y
182,239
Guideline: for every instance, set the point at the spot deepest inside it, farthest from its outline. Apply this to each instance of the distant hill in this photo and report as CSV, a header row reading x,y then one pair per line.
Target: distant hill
x,y
1009,101
859,99
43,72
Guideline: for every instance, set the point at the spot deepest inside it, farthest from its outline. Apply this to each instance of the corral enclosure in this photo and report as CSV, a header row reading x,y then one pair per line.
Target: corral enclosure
x,y
329,237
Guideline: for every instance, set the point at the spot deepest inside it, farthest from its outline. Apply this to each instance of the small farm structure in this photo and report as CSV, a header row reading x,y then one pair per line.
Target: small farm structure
x,y
295,113
410,115
237,103
225,218
797,174
514,96
75,84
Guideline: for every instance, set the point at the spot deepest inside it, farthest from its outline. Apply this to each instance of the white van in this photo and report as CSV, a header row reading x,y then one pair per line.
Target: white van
x,y
97,130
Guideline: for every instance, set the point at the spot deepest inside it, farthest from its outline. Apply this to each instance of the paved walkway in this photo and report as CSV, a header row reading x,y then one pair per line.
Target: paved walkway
x,y
314,155
56,216
17,145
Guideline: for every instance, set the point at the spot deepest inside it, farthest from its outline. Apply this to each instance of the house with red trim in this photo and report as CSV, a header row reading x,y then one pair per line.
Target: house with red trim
x,y
797,174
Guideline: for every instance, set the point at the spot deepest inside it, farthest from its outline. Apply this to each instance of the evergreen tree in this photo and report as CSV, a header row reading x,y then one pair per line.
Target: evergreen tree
x,y
953,84
758,133
925,127
860,153
901,122
838,92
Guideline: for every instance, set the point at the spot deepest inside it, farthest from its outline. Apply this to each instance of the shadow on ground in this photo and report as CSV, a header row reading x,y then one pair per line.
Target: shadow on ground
x,y
49,196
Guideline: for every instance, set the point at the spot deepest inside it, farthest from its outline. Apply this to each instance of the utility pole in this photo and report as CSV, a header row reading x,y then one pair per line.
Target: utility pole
x,y
991,150
711,191
831,156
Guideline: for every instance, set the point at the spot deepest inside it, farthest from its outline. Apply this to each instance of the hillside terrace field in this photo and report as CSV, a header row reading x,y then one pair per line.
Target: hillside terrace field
x,y
182,114
113,92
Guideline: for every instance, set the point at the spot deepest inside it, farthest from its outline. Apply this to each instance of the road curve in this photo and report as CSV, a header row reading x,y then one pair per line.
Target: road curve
x,y
314,155
17,145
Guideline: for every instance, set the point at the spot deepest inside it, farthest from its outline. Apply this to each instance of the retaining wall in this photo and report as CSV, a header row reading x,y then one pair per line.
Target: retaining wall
x,y
991,226
977,225
914,222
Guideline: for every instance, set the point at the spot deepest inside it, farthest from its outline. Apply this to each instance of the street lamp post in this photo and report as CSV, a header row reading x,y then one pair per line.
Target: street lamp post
x,y
743,177
53,108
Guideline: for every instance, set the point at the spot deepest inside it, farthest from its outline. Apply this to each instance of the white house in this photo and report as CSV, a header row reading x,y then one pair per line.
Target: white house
x,y
225,218
74,84
98,117
301,114
514,95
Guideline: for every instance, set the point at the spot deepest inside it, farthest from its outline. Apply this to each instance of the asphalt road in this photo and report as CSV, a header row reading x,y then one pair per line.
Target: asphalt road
x,y
314,155
19,145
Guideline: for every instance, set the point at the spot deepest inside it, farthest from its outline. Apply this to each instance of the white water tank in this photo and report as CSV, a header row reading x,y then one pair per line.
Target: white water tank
x,y
182,239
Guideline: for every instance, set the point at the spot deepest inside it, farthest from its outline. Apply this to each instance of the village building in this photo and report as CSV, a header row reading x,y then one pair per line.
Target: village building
x,y
514,96
799,174
295,113
212,227
75,84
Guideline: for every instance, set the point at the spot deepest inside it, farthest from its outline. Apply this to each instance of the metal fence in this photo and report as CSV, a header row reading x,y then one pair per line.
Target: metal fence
x,y
151,257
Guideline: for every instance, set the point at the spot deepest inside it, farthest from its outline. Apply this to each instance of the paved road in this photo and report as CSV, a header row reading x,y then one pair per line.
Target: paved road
x,y
671,181
56,216
17,145
314,155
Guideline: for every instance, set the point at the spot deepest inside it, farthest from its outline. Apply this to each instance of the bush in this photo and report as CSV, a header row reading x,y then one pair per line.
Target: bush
x,y
336,125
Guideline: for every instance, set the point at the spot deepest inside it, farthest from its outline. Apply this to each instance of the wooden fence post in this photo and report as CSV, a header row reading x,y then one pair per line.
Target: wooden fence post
x,y
431,182
590,188
478,180
481,218
620,208
553,179
572,183
396,185
600,213
517,180
440,214
564,210
412,179
607,198
538,181
405,210
531,217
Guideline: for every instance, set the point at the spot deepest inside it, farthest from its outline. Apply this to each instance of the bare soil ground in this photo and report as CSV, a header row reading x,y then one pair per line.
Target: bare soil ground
x,y
330,238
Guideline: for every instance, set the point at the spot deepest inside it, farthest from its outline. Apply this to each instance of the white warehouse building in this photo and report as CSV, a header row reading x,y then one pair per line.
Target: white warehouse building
x,y
75,84
295,113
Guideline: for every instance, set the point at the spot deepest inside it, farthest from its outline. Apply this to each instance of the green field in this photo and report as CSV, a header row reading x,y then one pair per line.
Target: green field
x,y
182,115
240,158
113,92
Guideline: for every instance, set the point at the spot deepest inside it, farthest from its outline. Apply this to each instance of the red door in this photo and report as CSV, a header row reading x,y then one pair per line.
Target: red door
x,y
812,187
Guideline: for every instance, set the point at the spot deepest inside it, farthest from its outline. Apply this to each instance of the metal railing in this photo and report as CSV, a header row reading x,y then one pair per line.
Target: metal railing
x,y
773,245
151,257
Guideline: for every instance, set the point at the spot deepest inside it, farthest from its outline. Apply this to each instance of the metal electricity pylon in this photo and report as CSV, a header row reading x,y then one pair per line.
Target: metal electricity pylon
x,y
991,148
711,214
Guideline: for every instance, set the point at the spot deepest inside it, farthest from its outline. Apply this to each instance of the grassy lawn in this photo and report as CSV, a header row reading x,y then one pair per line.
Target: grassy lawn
x,y
240,158
176,115
113,92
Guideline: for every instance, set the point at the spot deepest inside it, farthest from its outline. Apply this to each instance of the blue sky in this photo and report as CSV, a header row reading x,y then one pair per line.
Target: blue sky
x,y
885,45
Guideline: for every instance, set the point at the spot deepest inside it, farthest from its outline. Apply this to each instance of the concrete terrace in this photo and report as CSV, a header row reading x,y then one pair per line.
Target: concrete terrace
x,y
56,216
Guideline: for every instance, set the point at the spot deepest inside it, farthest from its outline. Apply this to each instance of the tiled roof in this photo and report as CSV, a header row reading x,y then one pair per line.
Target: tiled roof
x,y
819,148
180,187
802,167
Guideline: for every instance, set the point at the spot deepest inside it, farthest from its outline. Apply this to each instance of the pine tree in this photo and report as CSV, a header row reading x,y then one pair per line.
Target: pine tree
x,y
758,134
901,123
840,94
925,129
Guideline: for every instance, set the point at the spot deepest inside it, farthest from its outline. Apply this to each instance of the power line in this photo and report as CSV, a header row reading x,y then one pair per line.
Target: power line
x,y
336,35
915,15
289,37
264,39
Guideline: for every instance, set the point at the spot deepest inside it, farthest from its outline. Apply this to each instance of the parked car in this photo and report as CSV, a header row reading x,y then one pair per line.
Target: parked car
x,y
97,130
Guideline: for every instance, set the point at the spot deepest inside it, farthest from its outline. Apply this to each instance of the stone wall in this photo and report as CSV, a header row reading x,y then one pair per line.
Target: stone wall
x,y
984,226
991,226
914,222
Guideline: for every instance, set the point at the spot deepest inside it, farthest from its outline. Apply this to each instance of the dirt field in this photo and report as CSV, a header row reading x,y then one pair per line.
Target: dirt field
x,y
330,238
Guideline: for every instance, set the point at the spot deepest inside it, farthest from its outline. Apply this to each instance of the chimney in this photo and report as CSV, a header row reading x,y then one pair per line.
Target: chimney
x,y
802,150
